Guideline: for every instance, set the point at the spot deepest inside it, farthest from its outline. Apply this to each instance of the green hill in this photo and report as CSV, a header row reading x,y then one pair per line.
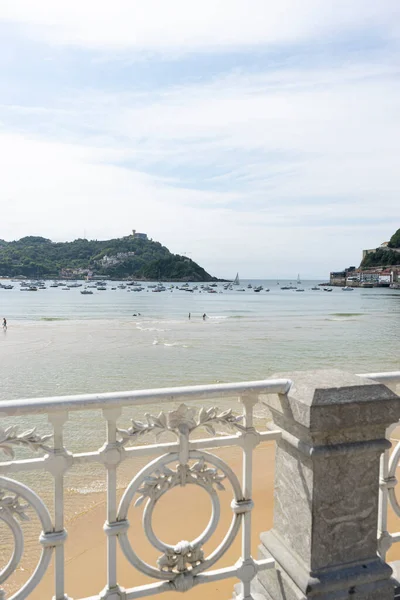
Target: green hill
x,y
384,256
395,240
120,258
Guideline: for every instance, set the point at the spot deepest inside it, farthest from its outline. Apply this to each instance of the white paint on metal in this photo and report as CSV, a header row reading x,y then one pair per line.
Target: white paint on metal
x,y
184,462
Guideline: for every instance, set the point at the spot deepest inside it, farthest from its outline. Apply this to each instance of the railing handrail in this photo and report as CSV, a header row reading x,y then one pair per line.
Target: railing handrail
x,y
138,397
388,377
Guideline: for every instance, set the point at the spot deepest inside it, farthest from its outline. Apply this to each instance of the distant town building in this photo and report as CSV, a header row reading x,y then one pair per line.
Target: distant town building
x,y
345,276
109,261
139,236
385,278
376,276
370,276
75,272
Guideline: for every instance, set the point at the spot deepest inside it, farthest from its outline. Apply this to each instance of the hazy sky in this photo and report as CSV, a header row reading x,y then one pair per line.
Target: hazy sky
x,y
256,136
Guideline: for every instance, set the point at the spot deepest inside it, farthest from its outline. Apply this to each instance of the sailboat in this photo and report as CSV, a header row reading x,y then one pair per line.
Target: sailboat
x,y
236,280
298,278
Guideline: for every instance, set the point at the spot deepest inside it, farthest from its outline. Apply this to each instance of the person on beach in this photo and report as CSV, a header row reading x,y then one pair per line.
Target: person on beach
x,y
5,324
204,317
189,316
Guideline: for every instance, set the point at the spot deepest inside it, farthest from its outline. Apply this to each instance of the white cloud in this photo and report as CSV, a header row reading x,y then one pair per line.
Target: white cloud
x,y
312,165
182,25
284,136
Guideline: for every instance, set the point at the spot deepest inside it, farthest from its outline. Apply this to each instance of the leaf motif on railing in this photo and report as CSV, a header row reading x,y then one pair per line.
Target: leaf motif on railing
x,y
12,505
10,437
184,420
180,556
163,480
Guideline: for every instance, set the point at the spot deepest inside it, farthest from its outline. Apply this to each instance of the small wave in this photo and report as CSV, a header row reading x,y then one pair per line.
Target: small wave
x,y
347,314
149,328
91,488
219,317
53,319
340,319
169,344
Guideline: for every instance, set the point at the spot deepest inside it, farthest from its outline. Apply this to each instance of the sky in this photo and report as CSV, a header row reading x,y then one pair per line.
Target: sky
x,y
254,136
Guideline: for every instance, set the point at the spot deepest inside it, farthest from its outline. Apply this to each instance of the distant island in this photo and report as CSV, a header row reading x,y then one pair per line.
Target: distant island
x,y
133,256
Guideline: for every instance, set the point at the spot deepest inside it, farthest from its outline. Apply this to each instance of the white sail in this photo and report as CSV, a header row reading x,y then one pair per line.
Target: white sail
x,y
298,278
237,280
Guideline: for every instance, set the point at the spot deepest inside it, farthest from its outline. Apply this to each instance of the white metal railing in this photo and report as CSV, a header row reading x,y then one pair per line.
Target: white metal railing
x,y
387,478
179,463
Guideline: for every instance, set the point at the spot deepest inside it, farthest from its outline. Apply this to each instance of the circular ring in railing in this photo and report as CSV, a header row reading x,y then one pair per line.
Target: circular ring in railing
x,y
393,465
15,499
152,483
18,550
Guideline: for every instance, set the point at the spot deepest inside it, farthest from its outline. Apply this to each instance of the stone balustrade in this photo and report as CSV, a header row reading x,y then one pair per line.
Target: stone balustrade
x,y
331,431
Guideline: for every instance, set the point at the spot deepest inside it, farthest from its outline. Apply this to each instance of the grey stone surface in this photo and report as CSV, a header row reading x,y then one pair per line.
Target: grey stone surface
x,y
292,500
345,508
318,410
324,537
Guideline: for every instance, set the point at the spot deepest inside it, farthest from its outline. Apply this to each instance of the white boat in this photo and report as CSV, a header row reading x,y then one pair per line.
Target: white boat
x,y
316,288
347,289
86,292
236,281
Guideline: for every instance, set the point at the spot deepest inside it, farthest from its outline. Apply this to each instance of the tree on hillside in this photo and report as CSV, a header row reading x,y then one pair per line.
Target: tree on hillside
x,y
395,240
381,258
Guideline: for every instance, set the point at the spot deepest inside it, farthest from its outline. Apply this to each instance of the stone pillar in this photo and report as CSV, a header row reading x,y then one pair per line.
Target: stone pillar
x,y
324,536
